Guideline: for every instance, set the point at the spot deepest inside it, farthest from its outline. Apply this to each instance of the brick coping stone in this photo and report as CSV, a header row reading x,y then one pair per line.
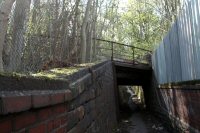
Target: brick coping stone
x,y
30,93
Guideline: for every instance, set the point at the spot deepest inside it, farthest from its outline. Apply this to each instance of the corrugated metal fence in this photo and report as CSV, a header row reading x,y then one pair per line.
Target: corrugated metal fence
x,y
178,56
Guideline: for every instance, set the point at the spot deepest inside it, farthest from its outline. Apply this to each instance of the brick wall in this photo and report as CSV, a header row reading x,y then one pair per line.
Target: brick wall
x,y
177,105
85,103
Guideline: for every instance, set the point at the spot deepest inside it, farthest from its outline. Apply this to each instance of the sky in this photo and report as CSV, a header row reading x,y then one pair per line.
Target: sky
x,y
123,3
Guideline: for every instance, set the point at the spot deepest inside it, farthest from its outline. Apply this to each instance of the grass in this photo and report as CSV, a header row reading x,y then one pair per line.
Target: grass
x,y
55,73
60,73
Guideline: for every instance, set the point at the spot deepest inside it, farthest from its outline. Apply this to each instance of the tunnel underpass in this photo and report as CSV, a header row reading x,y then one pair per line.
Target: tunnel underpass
x,y
134,116
88,101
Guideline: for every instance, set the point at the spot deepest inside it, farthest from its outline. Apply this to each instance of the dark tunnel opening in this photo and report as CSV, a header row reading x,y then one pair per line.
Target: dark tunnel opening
x,y
134,115
131,100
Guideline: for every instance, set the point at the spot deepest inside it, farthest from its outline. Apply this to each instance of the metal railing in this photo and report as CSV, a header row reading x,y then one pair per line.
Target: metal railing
x,y
123,52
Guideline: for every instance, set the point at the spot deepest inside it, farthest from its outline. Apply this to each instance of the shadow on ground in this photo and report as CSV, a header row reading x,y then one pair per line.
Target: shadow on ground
x,y
139,122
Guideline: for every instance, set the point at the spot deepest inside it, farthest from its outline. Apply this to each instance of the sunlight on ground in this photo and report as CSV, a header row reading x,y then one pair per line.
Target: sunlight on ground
x,y
60,73
57,72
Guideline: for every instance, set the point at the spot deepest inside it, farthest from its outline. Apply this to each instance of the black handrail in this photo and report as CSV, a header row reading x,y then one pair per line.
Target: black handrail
x,y
133,48
122,44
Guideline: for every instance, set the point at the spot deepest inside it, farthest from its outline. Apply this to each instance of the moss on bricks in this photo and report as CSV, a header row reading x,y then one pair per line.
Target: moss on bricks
x,y
62,73
56,73
52,74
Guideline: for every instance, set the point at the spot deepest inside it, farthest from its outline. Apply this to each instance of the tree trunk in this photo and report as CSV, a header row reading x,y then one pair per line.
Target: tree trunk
x,y
20,17
55,31
5,10
32,55
73,46
89,41
91,33
93,48
64,51
36,10
84,33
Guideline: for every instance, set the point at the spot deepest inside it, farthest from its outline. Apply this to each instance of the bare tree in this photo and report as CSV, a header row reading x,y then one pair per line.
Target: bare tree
x,y
5,10
84,33
20,17
92,32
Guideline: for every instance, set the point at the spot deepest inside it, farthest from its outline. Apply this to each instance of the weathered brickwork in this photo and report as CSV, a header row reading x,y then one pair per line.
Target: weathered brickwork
x,y
86,106
177,105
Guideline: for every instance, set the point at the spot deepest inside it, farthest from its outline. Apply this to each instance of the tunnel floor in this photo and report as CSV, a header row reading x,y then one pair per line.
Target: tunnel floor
x,y
139,122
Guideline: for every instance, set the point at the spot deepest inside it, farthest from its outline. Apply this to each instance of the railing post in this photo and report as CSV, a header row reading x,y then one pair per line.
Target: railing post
x,y
133,53
112,56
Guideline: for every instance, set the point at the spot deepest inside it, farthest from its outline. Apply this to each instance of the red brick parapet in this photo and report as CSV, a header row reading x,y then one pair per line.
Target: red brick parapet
x,y
81,104
177,104
14,104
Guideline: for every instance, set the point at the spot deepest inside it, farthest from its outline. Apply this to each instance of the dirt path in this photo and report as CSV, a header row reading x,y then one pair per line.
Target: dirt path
x,y
140,122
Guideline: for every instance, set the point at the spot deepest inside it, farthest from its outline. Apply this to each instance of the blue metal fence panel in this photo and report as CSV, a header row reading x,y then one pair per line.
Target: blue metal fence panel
x,y
191,67
196,36
188,46
178,56
154,64
159,65
175,54
168,58
181,38
162,64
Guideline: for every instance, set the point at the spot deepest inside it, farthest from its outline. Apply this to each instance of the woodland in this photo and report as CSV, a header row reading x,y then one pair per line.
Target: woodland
x,y
38,32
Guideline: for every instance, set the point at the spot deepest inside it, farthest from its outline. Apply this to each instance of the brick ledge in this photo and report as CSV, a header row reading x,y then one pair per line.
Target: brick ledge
x,y
22,101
